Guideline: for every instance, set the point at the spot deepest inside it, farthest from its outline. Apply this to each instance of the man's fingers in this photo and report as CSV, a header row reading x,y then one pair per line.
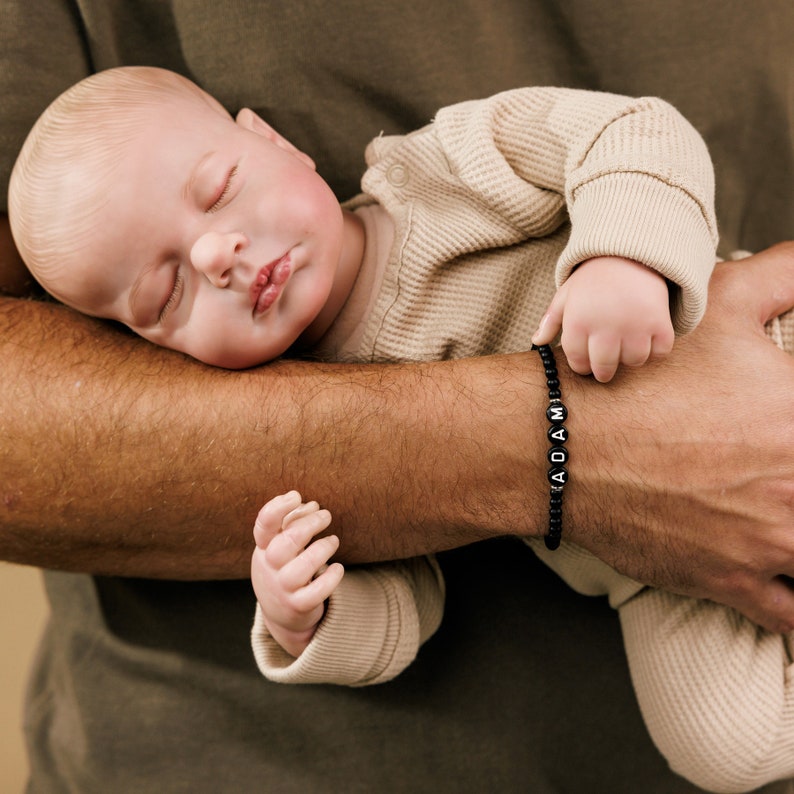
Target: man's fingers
x,y
771,606
764,282
776,266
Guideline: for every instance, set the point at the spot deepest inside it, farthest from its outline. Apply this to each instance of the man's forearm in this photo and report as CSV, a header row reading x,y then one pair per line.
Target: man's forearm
x,y
122,458
119,457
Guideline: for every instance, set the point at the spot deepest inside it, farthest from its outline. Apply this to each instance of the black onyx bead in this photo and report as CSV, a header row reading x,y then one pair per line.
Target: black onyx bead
x,y
553,383
555,394
556,413
558,456
552,542
558,476
557,434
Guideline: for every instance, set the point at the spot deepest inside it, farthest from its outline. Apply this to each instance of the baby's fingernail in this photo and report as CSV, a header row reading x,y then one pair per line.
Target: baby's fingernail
x,y
541,326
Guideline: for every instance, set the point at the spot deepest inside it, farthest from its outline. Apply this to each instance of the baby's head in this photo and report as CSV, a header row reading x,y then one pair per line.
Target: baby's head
x,y
137,197
70,162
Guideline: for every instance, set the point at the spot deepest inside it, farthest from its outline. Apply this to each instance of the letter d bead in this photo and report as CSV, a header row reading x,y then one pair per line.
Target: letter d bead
x,y
558,456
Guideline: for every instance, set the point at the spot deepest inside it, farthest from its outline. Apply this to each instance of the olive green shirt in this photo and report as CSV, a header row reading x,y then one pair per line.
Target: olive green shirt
x,y
150,686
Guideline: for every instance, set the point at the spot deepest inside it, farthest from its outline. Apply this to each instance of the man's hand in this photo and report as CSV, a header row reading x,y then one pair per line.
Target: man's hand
x,y
682,473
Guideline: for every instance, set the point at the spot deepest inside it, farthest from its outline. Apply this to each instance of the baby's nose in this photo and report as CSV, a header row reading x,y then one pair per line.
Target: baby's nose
x,y
213,254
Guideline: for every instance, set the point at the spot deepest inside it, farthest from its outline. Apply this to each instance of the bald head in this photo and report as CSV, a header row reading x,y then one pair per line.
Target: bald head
x,y
66,168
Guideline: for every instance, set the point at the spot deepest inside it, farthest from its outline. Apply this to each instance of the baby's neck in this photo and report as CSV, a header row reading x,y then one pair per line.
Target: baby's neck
x,y
342,339
354,243
350,260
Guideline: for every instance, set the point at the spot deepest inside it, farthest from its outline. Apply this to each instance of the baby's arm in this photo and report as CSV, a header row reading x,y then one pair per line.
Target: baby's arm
x,y
715,690
612,311
287,572
370,627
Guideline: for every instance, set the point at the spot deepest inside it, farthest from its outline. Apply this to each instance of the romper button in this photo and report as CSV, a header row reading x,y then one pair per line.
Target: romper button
x,y
397,175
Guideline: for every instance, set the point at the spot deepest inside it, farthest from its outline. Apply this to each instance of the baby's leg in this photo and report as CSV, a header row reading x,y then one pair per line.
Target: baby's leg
x,y
715,690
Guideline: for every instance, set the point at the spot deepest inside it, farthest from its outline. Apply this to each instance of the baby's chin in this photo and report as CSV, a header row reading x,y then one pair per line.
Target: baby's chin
x,y
234,359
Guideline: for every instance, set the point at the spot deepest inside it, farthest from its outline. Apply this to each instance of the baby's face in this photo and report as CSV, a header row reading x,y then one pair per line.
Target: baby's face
x,y
216,238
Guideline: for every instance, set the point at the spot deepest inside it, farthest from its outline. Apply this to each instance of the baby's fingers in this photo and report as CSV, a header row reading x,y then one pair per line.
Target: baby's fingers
x,y
635,350
299,572
662,343
290,543
575,343
550,323
319,589
301,510
604,351
271,517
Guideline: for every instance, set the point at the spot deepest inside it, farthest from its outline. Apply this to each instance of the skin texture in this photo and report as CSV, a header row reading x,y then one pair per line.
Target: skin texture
x,y
725,457
184,270
669,485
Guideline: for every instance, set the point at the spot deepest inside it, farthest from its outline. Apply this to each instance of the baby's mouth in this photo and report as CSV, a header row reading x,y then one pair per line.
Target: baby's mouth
x,y
268,283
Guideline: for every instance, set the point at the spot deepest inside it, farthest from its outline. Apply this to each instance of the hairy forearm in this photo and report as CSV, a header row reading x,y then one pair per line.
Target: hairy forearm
x,y
118,457
122,458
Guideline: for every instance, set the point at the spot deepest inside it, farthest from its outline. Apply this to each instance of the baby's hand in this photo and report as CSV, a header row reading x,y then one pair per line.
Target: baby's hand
x,y
288,570
612,311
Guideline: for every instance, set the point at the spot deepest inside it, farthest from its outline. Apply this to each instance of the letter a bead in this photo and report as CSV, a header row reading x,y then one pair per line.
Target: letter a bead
x,y
558,476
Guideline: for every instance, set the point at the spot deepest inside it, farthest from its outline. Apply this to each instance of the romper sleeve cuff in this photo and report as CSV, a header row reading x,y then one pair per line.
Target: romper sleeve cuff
x,y
372,629
641,217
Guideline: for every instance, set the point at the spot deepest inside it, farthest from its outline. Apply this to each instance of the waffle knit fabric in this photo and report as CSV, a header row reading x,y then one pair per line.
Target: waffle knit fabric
x,y
493,205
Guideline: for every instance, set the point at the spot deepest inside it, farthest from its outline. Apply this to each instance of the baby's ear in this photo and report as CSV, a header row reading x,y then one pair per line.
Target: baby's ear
x,y
252,122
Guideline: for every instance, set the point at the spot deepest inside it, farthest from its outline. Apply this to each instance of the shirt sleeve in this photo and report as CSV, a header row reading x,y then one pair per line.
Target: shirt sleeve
x,y
634,177
375,622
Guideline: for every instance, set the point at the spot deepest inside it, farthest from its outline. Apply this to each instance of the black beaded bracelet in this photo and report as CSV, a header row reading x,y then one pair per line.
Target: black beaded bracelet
x,y
557,456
